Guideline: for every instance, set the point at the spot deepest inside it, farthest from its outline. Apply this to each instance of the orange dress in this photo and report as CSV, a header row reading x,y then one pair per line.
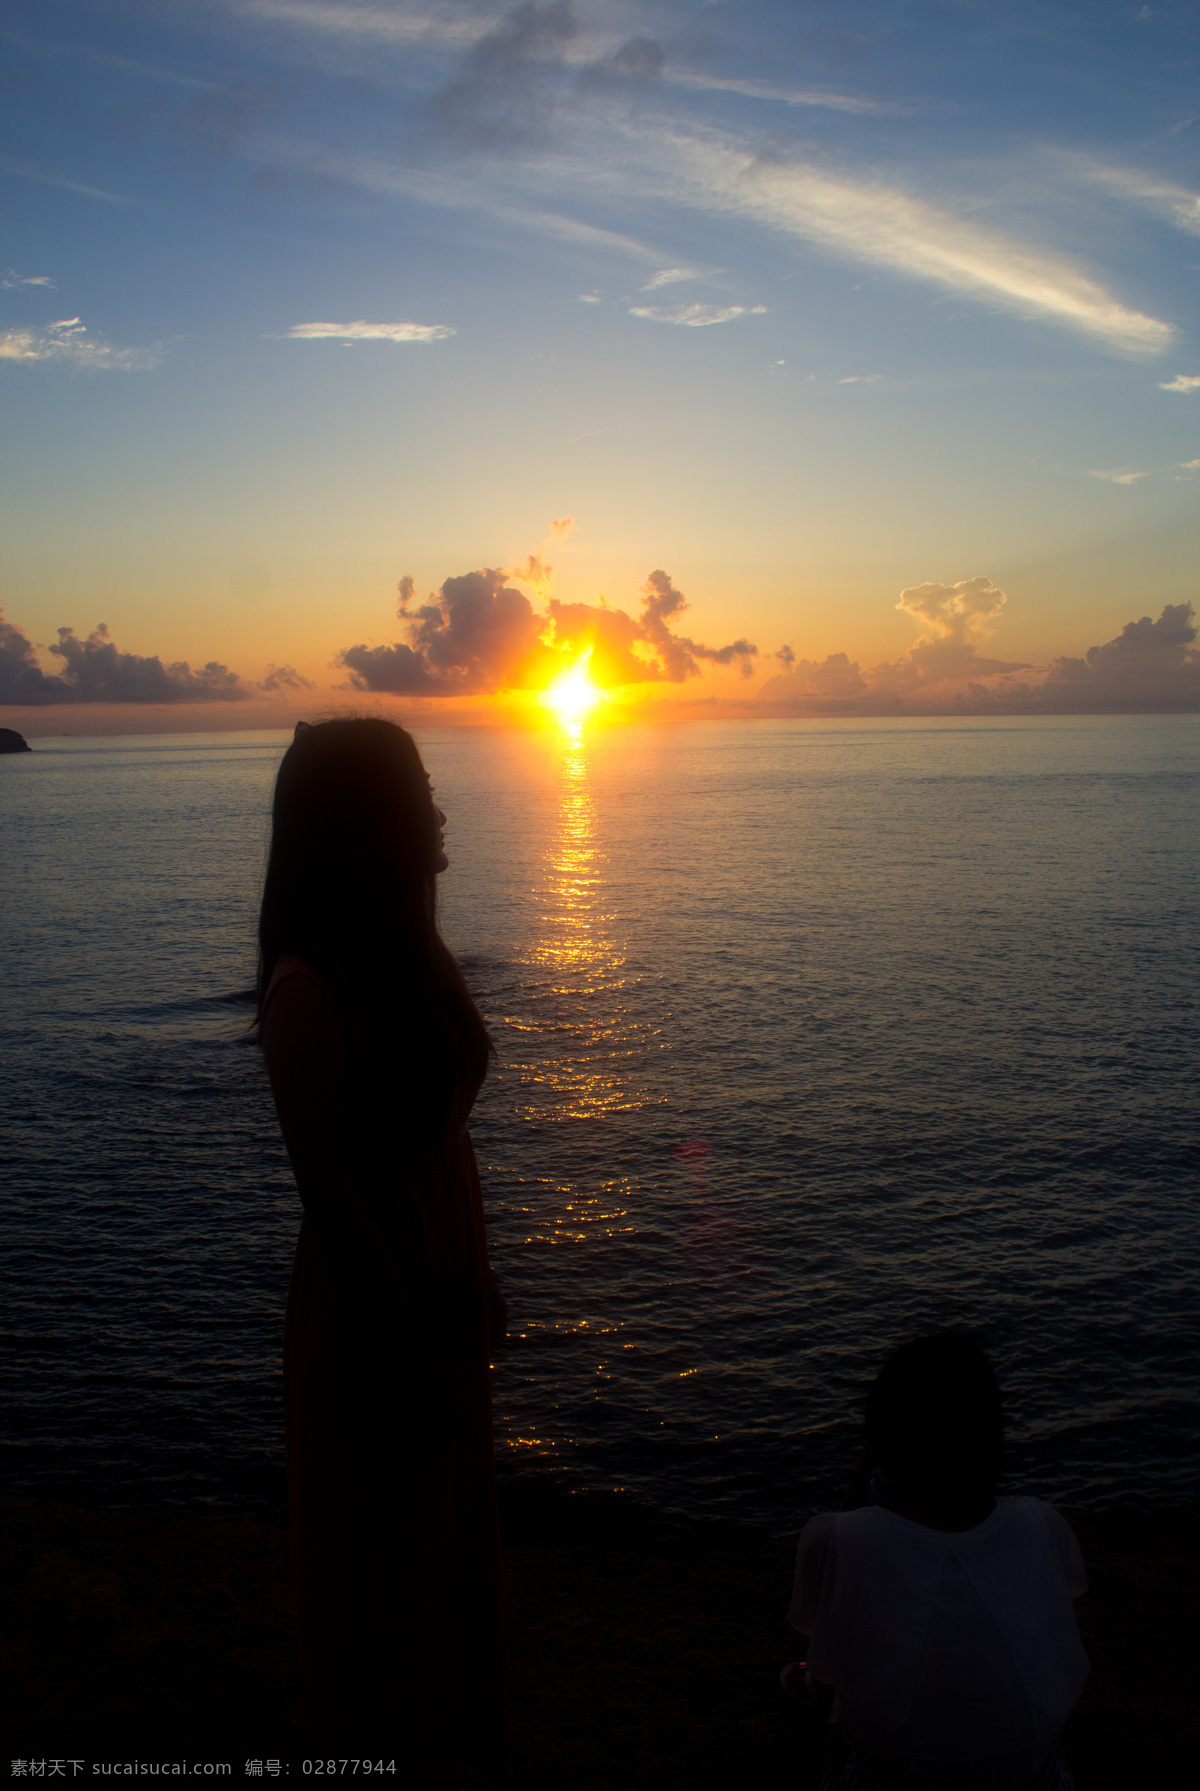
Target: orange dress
x,y
391,1475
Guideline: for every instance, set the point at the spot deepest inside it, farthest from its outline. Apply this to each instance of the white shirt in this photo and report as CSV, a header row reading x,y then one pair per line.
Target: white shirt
x,y
944,1645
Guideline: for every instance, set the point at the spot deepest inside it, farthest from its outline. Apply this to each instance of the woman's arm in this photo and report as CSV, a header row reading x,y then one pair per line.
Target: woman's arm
x,y
307,1057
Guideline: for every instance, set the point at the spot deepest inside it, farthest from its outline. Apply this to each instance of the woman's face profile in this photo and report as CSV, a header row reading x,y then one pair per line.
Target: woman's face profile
x,y
440,861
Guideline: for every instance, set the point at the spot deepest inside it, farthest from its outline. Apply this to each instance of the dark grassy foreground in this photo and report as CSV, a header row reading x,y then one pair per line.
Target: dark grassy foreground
x,y
643,1654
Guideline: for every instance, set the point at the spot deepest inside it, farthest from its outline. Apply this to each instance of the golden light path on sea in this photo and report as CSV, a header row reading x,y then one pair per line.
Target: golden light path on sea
x,y
577,943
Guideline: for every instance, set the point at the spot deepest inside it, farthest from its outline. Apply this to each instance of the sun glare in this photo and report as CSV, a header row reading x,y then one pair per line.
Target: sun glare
x,y
573,694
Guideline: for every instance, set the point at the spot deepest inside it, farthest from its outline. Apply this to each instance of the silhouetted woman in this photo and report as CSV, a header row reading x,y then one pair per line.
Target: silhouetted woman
x,y
376,1052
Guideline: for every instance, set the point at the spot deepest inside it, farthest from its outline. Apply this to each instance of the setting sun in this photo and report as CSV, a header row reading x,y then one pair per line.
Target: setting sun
x,y
572,695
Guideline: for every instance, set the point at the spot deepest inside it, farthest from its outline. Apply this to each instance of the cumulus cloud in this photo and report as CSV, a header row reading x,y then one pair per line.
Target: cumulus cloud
x,y
1182,382
535,569
479,634
22,679
957,618
476,634
532,570
695,317
96,671
283,677
68,341
1152,666
677,655
830,686
640,649
370,332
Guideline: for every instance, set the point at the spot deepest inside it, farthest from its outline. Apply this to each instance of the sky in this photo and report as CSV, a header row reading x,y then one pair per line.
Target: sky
x,y
783,358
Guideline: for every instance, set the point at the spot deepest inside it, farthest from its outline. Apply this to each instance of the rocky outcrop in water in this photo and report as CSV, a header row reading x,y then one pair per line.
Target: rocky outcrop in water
x,y
11,741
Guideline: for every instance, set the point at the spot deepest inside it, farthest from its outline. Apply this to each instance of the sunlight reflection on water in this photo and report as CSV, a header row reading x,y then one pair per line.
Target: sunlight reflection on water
x,y
577,945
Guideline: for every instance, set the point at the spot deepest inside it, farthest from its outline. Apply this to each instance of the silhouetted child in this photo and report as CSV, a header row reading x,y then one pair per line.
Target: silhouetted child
x,y
940,1614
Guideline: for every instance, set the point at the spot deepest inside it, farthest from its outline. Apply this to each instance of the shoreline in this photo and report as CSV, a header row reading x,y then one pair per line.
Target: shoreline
x,y
645,1648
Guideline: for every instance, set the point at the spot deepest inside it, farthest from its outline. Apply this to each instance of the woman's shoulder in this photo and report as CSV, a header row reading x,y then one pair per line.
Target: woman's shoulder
x,y
298,998
299,984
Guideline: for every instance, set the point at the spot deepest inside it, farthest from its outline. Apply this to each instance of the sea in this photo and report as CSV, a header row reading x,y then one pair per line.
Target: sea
x,y
811,1035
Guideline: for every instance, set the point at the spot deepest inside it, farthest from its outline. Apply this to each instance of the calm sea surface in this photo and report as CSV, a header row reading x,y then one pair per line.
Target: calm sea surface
x,y
810,1035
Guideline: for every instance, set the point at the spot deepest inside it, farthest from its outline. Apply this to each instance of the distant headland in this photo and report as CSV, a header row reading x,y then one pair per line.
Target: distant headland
x,y
11,741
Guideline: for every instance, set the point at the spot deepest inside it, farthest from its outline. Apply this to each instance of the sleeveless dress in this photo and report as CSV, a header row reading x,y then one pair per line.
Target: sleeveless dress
x,y
391,1476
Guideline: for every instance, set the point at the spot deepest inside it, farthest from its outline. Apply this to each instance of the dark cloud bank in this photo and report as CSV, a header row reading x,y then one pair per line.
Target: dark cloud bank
x,y
96,671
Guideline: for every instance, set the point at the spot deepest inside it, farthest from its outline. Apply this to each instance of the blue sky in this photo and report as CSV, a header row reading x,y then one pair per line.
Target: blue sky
x,y
807,306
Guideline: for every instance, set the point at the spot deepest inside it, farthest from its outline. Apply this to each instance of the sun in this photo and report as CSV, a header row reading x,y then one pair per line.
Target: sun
x,y
572,695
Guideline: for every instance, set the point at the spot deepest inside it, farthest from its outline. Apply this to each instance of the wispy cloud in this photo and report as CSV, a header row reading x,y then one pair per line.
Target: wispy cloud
x,y
68,341
9,166
1115,478
861,218
880,223
434,26
787,96
518,93
16,282
1151,191
370,332
449,191
861,379
440,27
671,276
107,60
1182,382
695,317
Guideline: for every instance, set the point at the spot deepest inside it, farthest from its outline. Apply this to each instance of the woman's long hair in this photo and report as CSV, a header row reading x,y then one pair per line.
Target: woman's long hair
x,y
351,888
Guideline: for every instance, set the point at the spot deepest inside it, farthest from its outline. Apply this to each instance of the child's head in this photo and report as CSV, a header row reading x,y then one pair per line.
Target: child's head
x,y
934,1421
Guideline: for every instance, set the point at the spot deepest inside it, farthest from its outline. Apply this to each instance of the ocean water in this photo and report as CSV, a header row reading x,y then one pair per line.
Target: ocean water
x,y
809,1035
